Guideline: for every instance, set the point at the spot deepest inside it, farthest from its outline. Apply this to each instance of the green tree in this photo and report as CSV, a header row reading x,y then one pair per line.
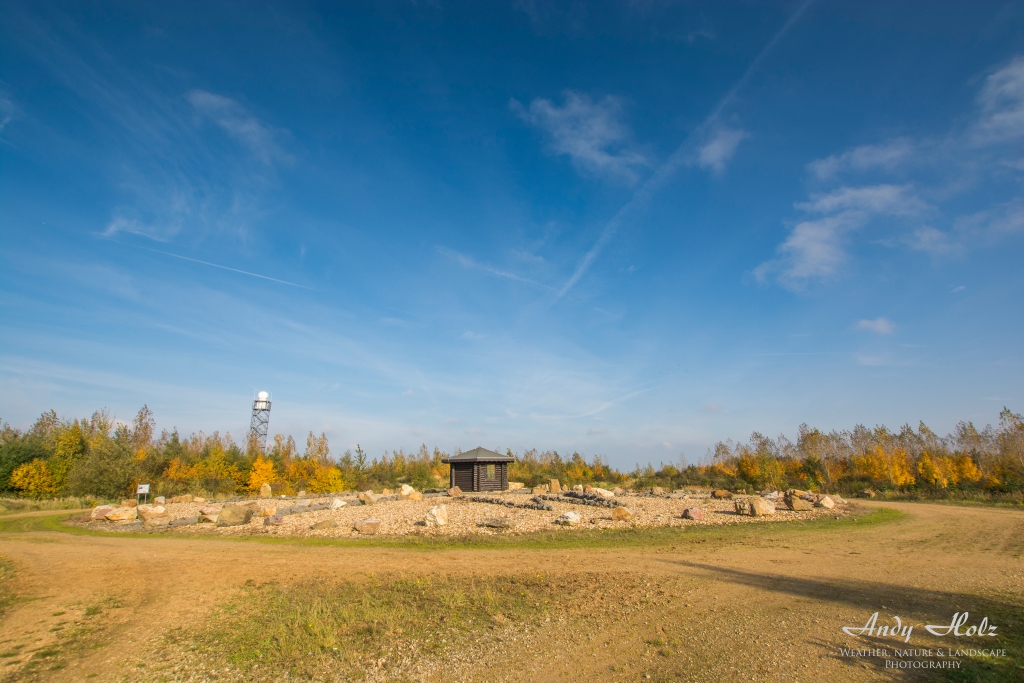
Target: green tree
x,y
108,470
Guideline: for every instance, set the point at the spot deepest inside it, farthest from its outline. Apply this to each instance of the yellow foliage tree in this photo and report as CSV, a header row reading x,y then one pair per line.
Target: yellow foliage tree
x,y
177,470
262,472
932,470
34,479
327,480
886,463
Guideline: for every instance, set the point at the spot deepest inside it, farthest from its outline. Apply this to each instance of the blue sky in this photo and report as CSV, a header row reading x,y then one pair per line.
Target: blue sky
x,y
629,229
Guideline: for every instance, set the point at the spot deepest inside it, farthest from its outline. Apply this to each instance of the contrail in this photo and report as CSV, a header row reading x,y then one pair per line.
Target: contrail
x,y
217,265
677,159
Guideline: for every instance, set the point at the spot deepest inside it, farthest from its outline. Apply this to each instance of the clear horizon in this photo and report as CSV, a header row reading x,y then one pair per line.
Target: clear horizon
x,y
626,230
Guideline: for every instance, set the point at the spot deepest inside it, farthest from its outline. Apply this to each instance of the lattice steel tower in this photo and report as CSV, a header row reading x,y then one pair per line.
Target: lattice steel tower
x,y
260,419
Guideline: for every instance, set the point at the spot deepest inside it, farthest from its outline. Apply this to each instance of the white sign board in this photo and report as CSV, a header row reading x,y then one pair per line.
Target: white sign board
x,y
143,489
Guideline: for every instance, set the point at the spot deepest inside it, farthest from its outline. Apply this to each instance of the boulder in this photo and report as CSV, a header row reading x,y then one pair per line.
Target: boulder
x,y
386,492
337,503
867,493
622,514
147,512
415,495
454,492
554,486
657,491
436,516
496,523
797,504
158,521
742,507
326,524
185,498
198,499
367,526
721,494
185,521
825,502
210,510
796,493
301,504
129,503
234,515
604,493
100,512
302,494
568,519
405,490
274,520
266,491
515,485
693,513
266,510
839,500
122,514
210,517
368,497
580,488
761,507
160,500
618,491
539,490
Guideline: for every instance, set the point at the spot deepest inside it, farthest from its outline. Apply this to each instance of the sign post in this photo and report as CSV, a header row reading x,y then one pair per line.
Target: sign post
x,y
142,490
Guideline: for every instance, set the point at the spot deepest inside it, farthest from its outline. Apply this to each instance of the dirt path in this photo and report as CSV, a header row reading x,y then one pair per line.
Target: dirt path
x,y
766,605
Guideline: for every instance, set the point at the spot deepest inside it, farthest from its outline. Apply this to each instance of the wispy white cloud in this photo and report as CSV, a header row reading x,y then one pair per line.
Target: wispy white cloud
x,y
877,325
594,431
958,288
590,133
887,155
1002,105
992,225
932,241
720,147
239,124
154,232
472,264
6,110
815,249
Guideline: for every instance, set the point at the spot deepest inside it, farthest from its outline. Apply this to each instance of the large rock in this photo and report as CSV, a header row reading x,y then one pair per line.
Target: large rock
x,y
825,502
415,495
301,504
160,500
129,503
515,485
185,521
266,510
367,526
568,518
618,490
622,514
405,490
337,503
693,513
454,492
157,522
274,520
266,491
554,486
436,516
326,524
234,515
657,491
867,493
198,500
148,512
100,512
761,507
742,507
539,490
604,493
797,504
186,498
122,514
721,494
302,494
368,497
839,500
496,523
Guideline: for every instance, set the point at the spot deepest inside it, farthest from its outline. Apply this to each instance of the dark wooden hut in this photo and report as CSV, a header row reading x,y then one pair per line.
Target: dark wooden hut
x,y
479,470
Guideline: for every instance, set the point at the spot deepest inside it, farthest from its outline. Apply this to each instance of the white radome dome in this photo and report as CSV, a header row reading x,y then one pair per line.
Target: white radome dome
x,y
263,396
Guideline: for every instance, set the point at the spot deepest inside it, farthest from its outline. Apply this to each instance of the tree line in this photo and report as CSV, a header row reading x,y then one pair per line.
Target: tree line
x,y
103,458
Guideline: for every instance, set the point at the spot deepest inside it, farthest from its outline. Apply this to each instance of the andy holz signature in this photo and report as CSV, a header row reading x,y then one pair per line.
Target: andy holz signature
x,y
899,629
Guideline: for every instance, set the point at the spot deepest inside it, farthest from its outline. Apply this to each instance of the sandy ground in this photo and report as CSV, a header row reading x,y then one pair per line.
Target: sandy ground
x,y
763,606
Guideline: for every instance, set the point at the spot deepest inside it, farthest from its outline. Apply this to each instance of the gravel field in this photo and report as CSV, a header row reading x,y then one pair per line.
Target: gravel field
x,y
405,517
